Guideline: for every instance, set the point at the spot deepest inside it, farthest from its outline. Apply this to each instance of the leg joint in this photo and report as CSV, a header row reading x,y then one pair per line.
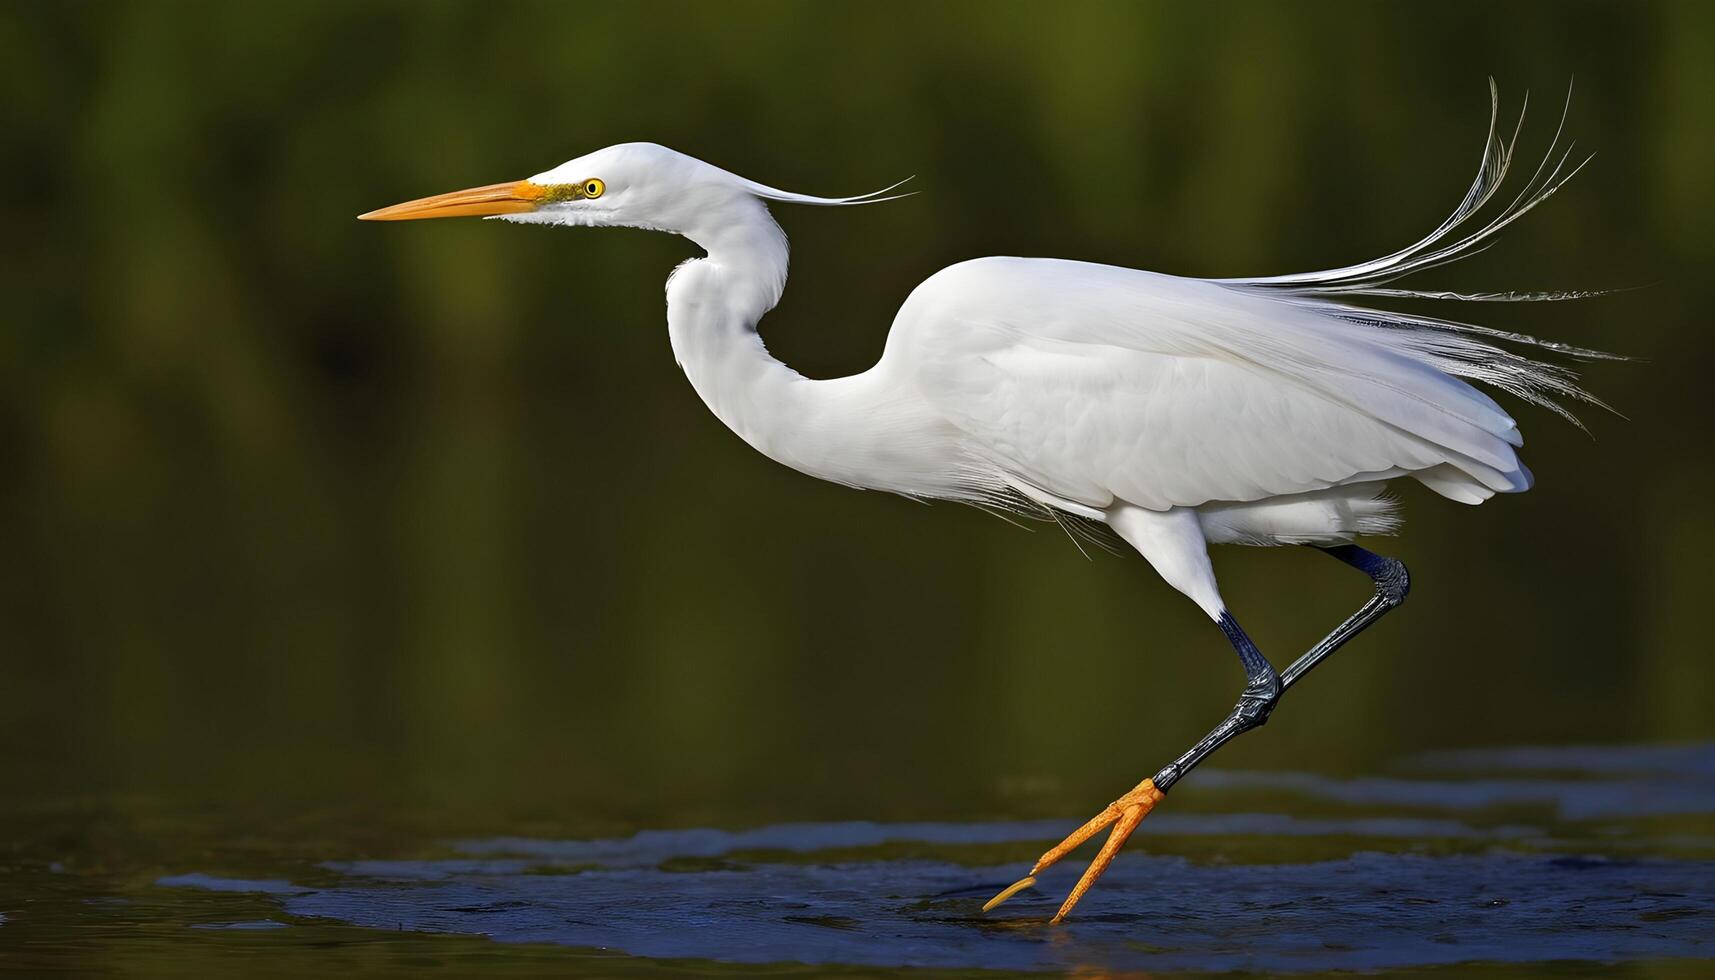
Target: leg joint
x,y
1393,582
1257,700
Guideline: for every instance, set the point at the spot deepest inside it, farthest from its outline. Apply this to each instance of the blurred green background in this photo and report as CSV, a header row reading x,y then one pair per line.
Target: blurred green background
x,y
306,511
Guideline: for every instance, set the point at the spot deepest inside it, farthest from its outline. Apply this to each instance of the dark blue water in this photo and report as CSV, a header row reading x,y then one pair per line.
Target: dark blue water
x,y
1438,871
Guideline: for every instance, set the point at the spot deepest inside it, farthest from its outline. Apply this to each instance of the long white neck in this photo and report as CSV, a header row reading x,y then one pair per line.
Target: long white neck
x,y
865,430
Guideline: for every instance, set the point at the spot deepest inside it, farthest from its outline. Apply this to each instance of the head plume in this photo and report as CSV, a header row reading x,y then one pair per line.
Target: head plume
x,y
873,197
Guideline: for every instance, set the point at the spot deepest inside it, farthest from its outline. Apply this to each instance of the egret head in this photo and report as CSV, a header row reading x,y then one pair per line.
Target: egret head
x,y
633,185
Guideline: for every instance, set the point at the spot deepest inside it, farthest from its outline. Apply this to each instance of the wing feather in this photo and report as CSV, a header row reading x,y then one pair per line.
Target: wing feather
x,y
1094,383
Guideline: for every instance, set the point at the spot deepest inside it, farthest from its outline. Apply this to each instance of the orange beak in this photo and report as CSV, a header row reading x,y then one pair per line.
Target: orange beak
x,y
511,198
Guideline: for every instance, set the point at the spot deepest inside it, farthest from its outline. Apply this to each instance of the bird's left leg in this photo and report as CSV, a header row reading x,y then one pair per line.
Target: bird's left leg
x,y
1173,542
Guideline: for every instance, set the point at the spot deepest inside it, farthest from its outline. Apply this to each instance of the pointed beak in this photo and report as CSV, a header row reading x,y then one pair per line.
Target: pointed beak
x,y
510,198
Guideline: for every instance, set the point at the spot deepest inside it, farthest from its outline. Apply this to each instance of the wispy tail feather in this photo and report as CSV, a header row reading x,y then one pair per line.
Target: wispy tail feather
x,y
1368,278
1453,346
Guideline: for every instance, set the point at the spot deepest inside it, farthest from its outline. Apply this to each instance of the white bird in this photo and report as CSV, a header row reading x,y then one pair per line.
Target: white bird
x,y
1178,412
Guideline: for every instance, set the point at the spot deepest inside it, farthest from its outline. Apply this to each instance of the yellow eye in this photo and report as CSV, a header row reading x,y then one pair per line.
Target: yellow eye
x,y
594,187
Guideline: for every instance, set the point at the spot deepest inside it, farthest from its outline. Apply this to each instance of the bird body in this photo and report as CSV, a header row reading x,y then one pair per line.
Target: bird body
x,y
1179,412
1084,387
1095,389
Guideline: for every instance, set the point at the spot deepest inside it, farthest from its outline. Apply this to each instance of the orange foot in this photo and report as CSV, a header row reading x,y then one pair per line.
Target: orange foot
x,y
1129,810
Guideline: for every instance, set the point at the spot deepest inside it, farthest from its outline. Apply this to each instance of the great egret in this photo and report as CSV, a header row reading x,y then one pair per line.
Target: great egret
x,y
1179,412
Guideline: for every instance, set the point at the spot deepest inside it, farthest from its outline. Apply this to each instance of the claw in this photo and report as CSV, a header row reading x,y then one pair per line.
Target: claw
x,y
1129,811
1009,891
1128,822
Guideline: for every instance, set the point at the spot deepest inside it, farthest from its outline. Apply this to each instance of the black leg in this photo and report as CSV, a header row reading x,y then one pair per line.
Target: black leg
x,y
1262,692
1392,583
1262,687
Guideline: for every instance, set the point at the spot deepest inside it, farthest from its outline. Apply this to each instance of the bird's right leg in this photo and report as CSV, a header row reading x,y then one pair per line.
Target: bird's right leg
x,y
1173,542
1261,693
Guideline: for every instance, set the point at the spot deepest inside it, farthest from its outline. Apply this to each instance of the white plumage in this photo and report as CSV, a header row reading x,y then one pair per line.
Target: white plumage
x,y
1093,384
1176,411
1268,408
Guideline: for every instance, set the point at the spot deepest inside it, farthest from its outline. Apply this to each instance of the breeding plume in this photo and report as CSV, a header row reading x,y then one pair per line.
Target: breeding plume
x,y
1178,412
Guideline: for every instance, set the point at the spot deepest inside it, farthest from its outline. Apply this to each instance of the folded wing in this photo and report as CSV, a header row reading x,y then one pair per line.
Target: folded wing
x,y
1090,383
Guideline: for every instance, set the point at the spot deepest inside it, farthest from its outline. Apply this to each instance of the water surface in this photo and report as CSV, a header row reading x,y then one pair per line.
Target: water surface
x,y
1554,858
